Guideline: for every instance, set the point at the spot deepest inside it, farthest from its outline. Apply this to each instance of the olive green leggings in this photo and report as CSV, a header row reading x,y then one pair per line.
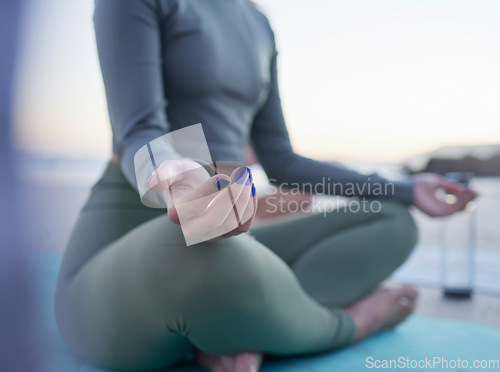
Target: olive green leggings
x,y
132,296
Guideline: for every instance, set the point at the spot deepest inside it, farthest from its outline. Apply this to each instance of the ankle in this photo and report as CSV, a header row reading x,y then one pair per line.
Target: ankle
x,y
361,324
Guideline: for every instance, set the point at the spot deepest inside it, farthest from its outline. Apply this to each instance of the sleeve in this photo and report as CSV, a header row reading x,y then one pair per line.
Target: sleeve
x,y
129,46
273,148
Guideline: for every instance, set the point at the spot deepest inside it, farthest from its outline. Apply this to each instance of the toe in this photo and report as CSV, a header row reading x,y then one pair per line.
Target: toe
x,y
249,362
407,296
409,291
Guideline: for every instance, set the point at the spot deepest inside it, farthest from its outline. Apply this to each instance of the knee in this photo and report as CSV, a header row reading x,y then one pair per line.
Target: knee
x,y
402,230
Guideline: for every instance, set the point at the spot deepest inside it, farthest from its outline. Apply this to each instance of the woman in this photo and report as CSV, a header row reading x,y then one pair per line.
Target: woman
x,y
132,296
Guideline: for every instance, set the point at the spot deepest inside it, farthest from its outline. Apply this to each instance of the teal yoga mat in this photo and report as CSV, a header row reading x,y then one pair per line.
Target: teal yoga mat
x,y
420,343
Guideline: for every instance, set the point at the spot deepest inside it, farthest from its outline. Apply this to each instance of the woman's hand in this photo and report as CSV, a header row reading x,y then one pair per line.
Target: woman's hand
x,y
426,196
206,207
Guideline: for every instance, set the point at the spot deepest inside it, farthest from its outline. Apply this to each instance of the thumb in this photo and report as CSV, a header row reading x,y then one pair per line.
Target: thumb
x,y
163,176
157,183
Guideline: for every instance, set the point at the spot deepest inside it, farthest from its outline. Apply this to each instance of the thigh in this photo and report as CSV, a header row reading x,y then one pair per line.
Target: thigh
x,y
114,310
112,210
131,295
144,300
340,256
222,296
291,237
101,310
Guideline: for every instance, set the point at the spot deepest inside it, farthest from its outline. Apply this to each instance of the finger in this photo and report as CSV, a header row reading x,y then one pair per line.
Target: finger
x,y
218,218
472,194
464,198
221,213
241,203
443,209
241,174
243,185
182,206
233,220
239,192
243,211
240,189
209,187
203,226
173,215
440,208
240,178
451,187
248,216
163,176
167,174
191,204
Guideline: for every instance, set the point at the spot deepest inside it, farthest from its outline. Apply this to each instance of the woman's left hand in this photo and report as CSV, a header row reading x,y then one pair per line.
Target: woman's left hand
x,y
426,196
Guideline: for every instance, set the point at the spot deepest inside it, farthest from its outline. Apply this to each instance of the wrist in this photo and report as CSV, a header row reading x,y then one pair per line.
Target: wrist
x,y
404,191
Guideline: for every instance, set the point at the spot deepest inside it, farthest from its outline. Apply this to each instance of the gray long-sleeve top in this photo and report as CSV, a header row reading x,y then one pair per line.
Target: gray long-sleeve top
x,y
168,64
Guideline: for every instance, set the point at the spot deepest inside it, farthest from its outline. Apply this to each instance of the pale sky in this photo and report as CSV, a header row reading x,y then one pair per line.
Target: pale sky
x,y
360,79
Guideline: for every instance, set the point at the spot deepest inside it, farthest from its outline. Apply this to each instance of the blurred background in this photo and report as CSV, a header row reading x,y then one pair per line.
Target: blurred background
x,y
391,86
386,80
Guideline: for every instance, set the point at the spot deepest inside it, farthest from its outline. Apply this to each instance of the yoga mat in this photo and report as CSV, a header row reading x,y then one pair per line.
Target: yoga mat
x,y
418,340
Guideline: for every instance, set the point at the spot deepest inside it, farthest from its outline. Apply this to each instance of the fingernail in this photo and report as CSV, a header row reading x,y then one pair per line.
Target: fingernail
x,y
249,180
242,174
152,181
253,189
221,183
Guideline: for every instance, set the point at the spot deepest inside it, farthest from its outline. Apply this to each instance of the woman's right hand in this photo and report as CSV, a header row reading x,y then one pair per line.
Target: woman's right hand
x,y
206,207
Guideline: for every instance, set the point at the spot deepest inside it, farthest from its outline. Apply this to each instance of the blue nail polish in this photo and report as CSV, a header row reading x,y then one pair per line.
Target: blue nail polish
x,y
221,183
249,180
242,174
253,189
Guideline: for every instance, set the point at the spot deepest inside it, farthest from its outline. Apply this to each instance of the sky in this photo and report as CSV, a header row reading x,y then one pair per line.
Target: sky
x,y
361,79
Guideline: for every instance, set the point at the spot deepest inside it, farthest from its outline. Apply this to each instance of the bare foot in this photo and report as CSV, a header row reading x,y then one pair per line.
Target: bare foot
x,y
241,362
384,308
